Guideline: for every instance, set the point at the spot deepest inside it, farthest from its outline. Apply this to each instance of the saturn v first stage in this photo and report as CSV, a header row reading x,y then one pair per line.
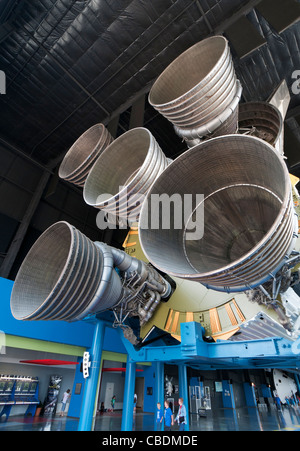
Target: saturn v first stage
x,y
239,277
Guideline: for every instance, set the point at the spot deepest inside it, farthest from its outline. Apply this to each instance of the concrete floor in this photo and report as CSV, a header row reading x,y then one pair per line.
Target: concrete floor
x,y
244,419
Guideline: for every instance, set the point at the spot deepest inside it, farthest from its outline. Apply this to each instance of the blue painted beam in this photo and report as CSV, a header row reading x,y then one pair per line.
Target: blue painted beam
x,y
128,400
250,395
184,391
228,395
193,351
159,391
91,382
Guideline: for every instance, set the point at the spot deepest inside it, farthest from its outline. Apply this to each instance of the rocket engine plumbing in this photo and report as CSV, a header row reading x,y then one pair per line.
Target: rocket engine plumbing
x,y
65,276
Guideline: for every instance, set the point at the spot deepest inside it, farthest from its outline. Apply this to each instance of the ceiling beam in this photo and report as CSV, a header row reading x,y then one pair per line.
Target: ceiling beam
x,y
137,113
111,116
243,11
66,71
246,9
15,246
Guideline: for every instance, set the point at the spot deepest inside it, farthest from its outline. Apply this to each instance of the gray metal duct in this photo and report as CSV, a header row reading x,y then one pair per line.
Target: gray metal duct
x,y
80,158
199,91
250,226
123,174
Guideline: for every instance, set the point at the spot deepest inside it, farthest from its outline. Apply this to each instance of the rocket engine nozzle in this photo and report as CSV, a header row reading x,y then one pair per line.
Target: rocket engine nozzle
x,y
199,92
250,225
80,158
123,174
65,276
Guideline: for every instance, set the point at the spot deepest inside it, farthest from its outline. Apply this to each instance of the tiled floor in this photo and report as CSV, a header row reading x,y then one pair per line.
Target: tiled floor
x,y
245,419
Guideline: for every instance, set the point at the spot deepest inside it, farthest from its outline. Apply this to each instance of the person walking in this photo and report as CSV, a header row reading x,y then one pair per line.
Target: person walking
x,y
159,417
134,402
112,402
169,419
181,415
64,400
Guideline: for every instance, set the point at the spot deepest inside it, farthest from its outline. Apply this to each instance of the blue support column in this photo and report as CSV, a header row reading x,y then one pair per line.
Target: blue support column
x,y
159,390
266,391
228,395
250,395
128,401
91,382
184,391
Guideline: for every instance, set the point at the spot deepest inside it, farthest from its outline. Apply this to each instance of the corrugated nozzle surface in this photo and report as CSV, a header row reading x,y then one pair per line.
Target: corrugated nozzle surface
x,y
61,276
248,216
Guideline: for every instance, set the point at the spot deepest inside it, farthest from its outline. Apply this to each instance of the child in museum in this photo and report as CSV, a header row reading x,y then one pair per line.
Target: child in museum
x,y
159,417
169,421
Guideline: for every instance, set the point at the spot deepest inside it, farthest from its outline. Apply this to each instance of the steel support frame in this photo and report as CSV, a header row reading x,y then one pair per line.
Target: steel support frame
x,y
23,227
159,390
128,400
184,392
86,420
273,352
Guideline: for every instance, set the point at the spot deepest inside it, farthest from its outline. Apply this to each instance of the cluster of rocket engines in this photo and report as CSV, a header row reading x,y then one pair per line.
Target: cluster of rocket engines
x,y
234,160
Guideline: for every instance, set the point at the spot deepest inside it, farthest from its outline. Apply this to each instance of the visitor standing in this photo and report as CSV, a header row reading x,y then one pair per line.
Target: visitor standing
x,y
181,415
159,417
64,400
112,403
169,420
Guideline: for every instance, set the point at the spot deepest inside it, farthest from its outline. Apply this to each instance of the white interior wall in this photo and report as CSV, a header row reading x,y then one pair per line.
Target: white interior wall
x,y
10,364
